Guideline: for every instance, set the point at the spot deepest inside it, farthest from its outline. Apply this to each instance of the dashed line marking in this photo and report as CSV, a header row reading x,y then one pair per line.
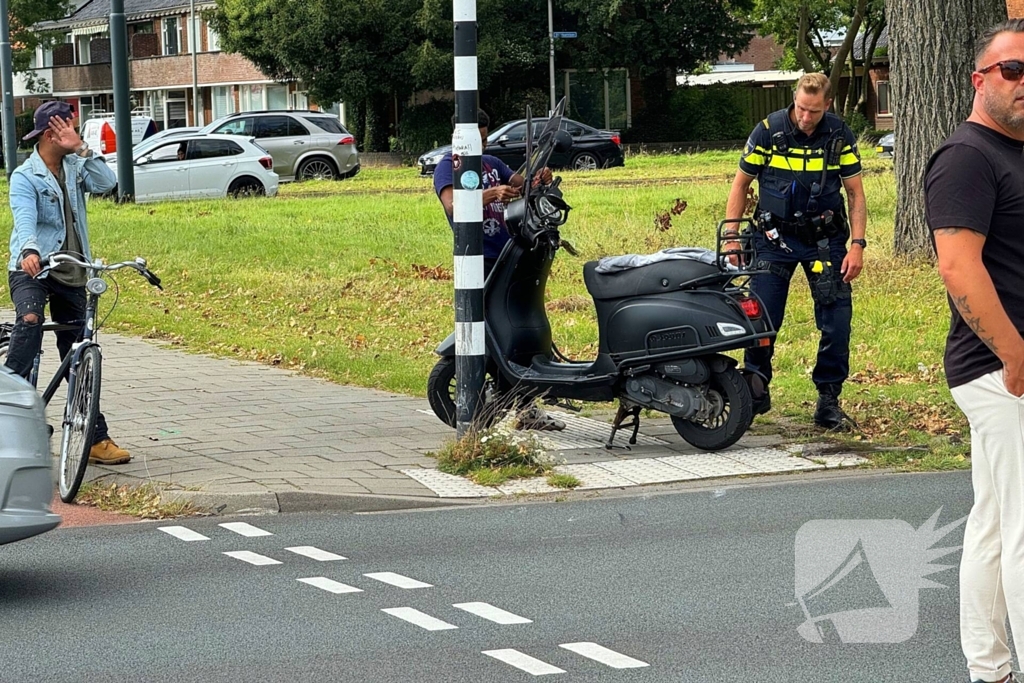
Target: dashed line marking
x,y
397,580
329,585
251,558
601,654
243,529
524,662
492,613
414,616
183,533
315,553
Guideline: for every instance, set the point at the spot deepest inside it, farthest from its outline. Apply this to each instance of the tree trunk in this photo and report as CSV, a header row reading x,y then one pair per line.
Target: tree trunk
x,y
839,61
932,57
869,57
377,123
359,124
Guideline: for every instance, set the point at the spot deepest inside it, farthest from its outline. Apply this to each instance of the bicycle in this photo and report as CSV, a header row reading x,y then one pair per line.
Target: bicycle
x,y
82,367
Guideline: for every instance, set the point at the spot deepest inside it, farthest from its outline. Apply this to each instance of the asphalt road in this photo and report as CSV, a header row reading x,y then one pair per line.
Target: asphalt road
x,y
685,586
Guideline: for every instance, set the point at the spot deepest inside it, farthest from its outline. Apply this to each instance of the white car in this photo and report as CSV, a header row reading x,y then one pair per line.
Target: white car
x,y
26,481
202,167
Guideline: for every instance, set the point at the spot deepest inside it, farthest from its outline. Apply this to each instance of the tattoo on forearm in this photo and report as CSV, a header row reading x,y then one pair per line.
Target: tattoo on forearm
x,y
948,231
973,321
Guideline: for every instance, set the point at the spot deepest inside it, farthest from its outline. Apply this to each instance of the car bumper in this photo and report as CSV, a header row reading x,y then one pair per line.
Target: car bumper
x,y
26,475
271,184
427,169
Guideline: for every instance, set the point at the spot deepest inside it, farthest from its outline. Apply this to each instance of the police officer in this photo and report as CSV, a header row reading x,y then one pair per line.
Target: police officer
x,y
802,156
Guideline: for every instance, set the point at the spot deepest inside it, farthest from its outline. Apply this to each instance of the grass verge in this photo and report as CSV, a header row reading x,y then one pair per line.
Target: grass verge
x,y
352,281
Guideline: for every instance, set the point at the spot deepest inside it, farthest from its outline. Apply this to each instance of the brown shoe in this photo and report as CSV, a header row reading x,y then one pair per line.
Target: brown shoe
x,y
107,452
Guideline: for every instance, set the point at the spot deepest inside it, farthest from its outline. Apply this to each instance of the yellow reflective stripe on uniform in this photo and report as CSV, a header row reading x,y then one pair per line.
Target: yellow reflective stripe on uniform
x,y
754,159
798,165
849,159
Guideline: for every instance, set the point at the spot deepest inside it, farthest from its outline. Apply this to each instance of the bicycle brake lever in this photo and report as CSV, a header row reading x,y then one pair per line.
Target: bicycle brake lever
x,y
152,278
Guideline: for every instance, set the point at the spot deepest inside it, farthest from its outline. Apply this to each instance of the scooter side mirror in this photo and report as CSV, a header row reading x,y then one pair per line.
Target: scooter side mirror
x,y
563,142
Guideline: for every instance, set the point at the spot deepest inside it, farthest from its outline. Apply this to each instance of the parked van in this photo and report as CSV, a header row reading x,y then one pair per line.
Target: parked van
x,y
98,130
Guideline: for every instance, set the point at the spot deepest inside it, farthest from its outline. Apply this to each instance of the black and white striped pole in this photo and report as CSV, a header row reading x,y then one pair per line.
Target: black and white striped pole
x,y
468,216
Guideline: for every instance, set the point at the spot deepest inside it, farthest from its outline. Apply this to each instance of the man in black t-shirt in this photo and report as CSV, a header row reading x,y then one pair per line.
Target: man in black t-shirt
x,y
974,202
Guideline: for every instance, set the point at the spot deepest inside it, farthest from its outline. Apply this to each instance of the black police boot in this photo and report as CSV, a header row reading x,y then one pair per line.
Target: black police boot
x,y
828,414
761,397
763,403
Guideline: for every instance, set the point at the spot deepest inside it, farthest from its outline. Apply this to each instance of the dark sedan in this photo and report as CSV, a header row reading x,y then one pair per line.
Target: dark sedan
x,y
591,148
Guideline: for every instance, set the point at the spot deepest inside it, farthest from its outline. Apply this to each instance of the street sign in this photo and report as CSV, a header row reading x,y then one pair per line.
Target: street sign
x,y
563,34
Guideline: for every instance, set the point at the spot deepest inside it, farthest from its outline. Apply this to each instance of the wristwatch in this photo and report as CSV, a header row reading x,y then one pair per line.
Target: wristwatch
x,y
862,242
83,150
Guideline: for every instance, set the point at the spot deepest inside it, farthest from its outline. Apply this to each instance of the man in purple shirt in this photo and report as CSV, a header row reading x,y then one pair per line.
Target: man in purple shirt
x,y
501,185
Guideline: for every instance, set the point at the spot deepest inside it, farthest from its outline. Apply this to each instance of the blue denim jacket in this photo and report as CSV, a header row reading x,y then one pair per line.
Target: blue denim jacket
x,y
38,203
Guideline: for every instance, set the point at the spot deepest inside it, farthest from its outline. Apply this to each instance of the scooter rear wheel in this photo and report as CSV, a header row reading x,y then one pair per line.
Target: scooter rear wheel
x,y
730,423
441,396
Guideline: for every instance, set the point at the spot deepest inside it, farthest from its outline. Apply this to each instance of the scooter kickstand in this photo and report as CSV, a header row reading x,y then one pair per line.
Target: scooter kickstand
x,y
621,415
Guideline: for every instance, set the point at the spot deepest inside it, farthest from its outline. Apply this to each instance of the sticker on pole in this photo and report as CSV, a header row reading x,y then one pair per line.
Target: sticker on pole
x,y
470,180
456,162
463,142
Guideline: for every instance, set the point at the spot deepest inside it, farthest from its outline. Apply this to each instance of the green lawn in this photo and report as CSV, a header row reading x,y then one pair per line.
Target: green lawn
x,y
352,281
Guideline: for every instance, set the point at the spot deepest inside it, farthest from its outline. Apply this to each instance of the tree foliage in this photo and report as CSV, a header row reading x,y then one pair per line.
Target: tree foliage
x,y
655,38
370,52
810,29
24,15
342,50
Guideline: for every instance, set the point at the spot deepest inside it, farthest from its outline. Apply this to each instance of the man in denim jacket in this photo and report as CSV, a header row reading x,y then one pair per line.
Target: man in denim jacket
x,y
47,197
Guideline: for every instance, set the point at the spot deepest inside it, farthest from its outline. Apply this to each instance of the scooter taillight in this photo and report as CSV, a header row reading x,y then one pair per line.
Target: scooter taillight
x,y
751,307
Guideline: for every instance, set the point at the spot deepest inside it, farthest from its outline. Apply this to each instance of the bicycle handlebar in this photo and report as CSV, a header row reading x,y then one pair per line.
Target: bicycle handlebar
x,y
139,265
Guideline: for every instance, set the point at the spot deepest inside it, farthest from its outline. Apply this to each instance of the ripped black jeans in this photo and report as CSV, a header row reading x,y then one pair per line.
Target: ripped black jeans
x,y
67,304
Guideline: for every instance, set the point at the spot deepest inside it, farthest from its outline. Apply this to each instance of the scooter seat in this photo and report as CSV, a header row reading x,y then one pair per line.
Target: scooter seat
x,y
656,278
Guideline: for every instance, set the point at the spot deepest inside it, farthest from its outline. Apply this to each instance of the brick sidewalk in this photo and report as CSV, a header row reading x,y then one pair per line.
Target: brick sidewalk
x,y
237,435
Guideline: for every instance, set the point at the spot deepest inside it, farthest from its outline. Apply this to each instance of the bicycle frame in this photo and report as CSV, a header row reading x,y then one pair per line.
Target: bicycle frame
x,y
87,338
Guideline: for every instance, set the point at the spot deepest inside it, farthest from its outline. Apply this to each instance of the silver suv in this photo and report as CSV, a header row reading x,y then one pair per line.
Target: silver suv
x,y
305,145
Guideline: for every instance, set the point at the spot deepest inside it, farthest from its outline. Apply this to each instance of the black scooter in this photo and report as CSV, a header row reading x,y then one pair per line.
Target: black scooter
x,y
663,328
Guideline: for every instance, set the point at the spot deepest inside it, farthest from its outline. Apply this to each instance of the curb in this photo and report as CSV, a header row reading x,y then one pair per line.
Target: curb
x,y
267,503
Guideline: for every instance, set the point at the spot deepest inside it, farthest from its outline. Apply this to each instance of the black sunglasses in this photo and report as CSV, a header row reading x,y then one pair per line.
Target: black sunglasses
x,y
1010,69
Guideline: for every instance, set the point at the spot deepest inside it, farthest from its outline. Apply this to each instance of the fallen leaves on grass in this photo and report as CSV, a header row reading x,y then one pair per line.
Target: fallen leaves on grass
x,y
926,374
885,417
427,273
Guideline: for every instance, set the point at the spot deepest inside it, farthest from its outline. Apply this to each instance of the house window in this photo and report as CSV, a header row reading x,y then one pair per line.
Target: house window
x,y
82,47
250,97
47,58
212,40
277,97
884,108
223,102
172,35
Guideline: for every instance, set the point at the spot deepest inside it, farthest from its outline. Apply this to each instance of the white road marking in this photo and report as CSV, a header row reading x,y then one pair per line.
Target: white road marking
x,y
330,586
599,653
251,558
526,663
414,616
243,529
315,553
492,613
183,533
397,580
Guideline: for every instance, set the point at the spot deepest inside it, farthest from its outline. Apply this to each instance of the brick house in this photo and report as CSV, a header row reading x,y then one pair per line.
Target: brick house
x,y
160,47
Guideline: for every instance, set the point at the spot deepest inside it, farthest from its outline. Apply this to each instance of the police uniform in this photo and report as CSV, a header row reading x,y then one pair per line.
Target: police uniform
x,y
802,220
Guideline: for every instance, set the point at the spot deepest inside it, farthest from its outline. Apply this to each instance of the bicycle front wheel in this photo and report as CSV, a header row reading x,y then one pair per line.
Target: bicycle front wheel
x,y
80,414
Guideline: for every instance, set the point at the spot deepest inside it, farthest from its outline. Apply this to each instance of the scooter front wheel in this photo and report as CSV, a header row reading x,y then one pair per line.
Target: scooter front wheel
x,y
441,396
730,421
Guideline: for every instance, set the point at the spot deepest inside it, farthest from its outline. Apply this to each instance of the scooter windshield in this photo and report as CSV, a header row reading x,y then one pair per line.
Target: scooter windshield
x,y
545,142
